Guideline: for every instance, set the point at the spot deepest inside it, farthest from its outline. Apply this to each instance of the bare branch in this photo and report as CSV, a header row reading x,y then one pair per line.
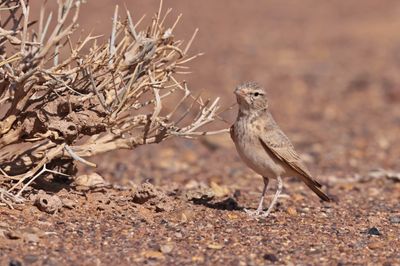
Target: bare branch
x,y
119,94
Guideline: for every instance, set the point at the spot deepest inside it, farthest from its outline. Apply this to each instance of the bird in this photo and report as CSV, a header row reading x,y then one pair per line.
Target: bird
x,y
263,146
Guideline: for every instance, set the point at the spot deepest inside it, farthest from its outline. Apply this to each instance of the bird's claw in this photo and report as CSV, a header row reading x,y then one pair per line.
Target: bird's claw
x,y
252,213
257,213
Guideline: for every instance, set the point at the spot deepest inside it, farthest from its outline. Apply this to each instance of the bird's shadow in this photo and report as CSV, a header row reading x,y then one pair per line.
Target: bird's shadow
x,y
228,204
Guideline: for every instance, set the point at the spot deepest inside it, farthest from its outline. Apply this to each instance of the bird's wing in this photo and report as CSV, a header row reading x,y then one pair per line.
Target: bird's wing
x,y
279,144
276,142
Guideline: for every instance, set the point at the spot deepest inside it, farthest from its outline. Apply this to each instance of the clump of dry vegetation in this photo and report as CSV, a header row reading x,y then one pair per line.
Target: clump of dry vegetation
x,y
62,101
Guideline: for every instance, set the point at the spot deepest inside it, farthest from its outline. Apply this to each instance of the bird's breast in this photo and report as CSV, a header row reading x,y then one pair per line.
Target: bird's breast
x,y
246,136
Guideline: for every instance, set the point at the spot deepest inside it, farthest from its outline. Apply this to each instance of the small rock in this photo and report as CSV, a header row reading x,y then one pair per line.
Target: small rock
x,y
373,231
13,235
291,211
48,203
232,216
164,205
219,191
151,254
200,193
14,262
178,235
153,245
237,193
297,197
378,173
375,245
3,225
31,238
91,180
198,259
145,192
184,218
394,219
69,204
3,232
215,246
152,198
51,261
29,259
394,176
270,257
167,248
242,263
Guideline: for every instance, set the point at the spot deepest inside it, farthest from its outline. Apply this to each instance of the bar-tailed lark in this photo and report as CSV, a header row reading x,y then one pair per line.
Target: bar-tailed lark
x,y
264,147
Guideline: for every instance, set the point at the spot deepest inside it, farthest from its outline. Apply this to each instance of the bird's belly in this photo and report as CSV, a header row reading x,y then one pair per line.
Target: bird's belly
x,y
259,160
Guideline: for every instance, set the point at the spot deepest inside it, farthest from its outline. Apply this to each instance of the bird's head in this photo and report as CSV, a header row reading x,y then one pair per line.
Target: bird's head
x,y
251,97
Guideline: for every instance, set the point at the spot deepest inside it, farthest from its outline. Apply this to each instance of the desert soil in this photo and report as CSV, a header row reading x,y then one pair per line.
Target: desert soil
x,y
332,70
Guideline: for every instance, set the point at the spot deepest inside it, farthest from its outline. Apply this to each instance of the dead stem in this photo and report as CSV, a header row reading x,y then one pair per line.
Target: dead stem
x,y
52,102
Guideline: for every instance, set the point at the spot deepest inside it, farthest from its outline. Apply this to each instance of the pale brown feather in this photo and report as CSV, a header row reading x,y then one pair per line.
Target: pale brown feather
x,y
279,144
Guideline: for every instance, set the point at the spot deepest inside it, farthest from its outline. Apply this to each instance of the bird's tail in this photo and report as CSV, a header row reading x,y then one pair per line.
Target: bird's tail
x,y
315,186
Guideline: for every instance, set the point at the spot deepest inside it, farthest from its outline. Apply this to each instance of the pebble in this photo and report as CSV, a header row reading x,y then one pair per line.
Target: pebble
x,y
198,259
394,219
13,234
69,204
48,203
201,193
291,211
31,238
375,245
215,246
373,231
30,258
14,262
3,225
232,216
270,257
91,180
219,191
167,248
184,218
151,254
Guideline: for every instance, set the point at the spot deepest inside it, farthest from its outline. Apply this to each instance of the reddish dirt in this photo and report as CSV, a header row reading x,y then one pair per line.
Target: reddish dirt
x,y
332,73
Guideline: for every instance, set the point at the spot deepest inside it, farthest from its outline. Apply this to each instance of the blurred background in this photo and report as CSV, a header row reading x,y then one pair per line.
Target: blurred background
x,y
331,69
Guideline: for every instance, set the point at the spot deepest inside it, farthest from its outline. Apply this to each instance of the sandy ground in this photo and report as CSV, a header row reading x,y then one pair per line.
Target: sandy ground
x,y
332,73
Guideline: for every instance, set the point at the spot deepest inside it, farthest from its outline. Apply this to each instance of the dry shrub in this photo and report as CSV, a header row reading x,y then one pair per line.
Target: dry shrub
x,y
57,110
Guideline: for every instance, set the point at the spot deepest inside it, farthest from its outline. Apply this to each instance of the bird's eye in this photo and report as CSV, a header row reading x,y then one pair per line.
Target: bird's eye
x,y
256,94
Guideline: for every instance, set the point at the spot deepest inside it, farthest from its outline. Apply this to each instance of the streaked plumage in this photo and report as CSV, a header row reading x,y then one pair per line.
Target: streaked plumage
x,y
263,146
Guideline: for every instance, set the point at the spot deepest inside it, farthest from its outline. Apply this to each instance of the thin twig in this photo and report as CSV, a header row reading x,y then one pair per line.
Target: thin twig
x,y
77,157
95,90
113,34
190,41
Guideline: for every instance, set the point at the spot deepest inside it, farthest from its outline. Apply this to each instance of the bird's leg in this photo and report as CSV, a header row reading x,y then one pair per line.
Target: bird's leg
x,y
260,204
274,200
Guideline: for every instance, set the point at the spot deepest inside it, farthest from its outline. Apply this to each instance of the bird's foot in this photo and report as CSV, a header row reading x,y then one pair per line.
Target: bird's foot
x,y
257,213
252,213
